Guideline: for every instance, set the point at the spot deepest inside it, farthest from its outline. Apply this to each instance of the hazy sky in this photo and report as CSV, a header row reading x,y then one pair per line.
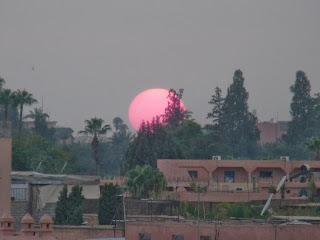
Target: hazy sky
x,y
90,58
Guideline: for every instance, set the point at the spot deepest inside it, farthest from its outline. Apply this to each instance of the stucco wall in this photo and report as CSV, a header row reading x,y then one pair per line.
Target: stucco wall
x,y
85,232
226,231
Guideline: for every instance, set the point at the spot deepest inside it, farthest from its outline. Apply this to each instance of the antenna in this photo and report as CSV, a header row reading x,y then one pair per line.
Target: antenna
x,y
42,103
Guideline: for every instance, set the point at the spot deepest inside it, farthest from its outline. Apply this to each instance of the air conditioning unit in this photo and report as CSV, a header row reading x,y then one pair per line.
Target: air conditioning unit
x,y
285,158
216,158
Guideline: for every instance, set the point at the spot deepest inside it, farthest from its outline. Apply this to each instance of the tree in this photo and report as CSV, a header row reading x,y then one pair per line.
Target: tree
x,y
75,206
314,146
140,150
108,203
217,107
69,210
31,152
301,111
61,211
2,82
95,127
40,122
22,98
174,112
153,141
6,100
145,182
120,141
238,125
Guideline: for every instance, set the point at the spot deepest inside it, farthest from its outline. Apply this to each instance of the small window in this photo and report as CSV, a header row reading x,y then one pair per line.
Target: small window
x,y
193,174
229,176
144,236
205,238
266,174
177,237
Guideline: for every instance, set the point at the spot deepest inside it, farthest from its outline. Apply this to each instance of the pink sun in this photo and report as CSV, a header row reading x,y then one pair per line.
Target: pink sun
x,y
147,105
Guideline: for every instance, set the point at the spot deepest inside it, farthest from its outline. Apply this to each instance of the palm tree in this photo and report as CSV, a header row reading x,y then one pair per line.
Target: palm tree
x,y
95,127
314,145
40,121
6,99
20,99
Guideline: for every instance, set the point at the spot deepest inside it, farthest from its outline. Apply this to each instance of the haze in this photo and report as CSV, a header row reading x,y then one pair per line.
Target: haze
x,y
90,58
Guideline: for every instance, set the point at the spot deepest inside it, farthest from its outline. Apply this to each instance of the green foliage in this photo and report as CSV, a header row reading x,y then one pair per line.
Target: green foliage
x,y
2,82
69,210
145,182
109,203
301,125
61,211
6,100
238,125
314,146
75,204
281,148
233,130
31,152
153,141
220,211
174,113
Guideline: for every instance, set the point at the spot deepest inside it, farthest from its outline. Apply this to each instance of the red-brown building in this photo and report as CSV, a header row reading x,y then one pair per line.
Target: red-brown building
x,y
271,132
234,180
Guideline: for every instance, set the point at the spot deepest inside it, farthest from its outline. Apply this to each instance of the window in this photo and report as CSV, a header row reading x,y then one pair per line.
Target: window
x,y
144,236
229,176
193,174
205,238
19,192
177,237
266,174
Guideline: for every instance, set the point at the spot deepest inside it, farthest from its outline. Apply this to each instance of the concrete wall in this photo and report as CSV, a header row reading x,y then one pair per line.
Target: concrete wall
x,y
5,178
225,231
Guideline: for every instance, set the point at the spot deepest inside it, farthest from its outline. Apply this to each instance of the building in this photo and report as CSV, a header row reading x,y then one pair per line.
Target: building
x,y
234,180
271,132
5,170
37,193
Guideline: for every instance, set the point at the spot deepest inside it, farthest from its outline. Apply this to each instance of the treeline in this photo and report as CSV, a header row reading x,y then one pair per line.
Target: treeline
x,y
112,149
232,129
39,146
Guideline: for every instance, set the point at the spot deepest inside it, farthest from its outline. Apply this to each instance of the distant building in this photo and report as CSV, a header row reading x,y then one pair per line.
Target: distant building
x,y
234,180
271,132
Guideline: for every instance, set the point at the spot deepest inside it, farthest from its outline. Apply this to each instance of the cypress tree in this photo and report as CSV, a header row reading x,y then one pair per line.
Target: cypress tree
x,y
75,206
217,104
301,125
109,202
61,211
238,125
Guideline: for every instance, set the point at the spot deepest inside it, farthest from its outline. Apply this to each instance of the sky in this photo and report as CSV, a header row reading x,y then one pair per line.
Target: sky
x,y
90,58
